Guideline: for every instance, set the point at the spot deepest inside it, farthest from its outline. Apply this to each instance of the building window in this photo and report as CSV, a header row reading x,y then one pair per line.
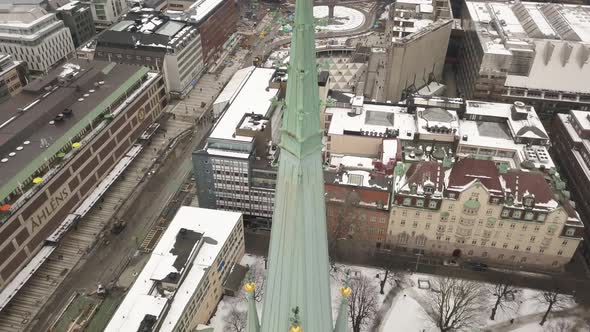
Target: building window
x,y
512,226
407,201
493,244
505,213
505,245
474,242
489,212
523,259
559,253
420,203
484,254
537,228
415,224
516,214
427,226
564,243
432,204
529,216
373,219
541,217
570,232
554,263
516,247
533,238
501,256
470,252
528,248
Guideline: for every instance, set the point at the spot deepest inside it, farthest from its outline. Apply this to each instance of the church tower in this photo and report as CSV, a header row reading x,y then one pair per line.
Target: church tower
x,y
297,295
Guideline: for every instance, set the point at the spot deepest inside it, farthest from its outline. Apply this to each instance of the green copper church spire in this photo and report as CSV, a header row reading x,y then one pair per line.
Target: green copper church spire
x,y
297,296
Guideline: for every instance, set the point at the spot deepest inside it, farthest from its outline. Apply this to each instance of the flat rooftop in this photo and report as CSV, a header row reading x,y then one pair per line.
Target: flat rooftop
x,y
202,8
21,15
27,138
147,29
374,118
254,96
183,256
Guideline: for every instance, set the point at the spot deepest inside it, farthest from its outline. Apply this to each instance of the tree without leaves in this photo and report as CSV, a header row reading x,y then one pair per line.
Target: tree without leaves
x,y
258,275
235,321
362,303
553,300
394,278
500,292
454,304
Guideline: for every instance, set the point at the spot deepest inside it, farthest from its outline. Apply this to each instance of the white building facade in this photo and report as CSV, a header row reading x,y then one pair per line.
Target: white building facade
x,y
32,35
107,12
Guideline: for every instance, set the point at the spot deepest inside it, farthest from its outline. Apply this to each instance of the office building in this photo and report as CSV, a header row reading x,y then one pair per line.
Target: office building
x,y
32,35
106,12
150,38
525,51
416,39
571,143
77,16
185,276
12,76
58,139
237,166
216,20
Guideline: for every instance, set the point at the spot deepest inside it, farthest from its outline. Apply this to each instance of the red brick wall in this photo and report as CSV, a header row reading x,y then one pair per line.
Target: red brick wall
x,y
217,28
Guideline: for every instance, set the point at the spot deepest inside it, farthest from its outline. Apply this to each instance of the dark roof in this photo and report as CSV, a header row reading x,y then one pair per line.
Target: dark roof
x,y
235,278
339,96
466,170
33,125
125,38
353,194
423,171
323,78
522,183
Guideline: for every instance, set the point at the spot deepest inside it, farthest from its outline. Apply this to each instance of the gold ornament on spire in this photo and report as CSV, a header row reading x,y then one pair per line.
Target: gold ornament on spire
x,y
296,328
345,291
250,287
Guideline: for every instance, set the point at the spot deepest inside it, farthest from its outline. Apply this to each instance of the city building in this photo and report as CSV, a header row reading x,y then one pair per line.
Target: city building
x,y
475,210
106,12
150,38
571,142
58,139
77,16
357,205
297,291
12,76
216,20
416,40
185,276
32,35
525,51
236,169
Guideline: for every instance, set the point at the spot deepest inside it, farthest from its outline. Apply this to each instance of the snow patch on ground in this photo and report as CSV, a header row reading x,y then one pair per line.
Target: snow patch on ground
x,y
345,18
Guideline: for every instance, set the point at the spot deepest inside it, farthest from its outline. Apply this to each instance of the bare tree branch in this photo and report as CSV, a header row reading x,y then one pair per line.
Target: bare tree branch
x,y
455,304
554,300
362,303
504,295
235,321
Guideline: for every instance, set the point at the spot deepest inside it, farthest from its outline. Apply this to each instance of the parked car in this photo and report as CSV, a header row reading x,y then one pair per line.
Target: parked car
x,y
450,262
476,266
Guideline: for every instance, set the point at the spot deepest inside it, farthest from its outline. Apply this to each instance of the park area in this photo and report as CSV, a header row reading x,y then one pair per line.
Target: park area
x,y
411,302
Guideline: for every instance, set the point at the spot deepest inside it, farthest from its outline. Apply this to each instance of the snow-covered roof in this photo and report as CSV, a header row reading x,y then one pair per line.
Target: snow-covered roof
x,y
565,68
551,35
253,97
201,8
373,118
234,85
211,228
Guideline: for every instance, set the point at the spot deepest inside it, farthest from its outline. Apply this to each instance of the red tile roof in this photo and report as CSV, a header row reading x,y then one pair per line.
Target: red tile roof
x,y
467,170
365,195
421,172
522,183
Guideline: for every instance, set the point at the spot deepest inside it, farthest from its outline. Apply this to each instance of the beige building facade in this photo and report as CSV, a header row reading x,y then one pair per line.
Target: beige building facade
x,y
187,273
473,212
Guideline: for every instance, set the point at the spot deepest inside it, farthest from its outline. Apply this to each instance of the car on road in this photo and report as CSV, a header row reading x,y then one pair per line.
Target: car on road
x,y
476,266
450,262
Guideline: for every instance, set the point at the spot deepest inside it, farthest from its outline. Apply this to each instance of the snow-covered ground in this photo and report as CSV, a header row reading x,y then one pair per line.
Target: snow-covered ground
x,y
346,18
405,313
